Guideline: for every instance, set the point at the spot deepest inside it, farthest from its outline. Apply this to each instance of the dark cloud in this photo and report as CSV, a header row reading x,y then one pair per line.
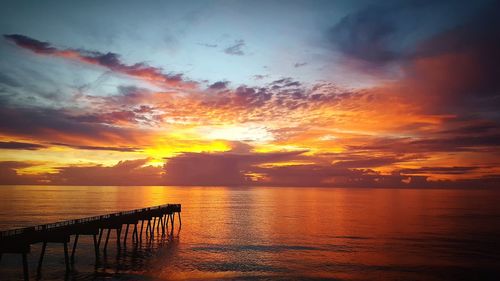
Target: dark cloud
x,y
367,34
130,172
285,82
141,115
20,145
439,170
469,56
53,125
108,60
243,97
276,97
219,85
459,143
236,49
244,169
88,147
9,175
358,161
479,29
476,128
218,168
251,97
247,168
456,143
397,31
34,45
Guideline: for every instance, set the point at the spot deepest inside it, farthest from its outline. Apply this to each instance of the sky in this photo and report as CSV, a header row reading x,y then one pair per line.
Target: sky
x,y
250,93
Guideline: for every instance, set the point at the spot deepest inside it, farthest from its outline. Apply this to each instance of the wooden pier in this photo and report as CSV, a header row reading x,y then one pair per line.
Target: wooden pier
x,y
18,241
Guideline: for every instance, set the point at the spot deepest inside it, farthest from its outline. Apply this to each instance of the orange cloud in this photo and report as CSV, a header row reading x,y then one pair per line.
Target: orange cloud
x,y
108,60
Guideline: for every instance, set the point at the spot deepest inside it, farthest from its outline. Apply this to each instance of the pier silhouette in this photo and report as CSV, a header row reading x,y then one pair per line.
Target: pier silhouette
x,y
19,241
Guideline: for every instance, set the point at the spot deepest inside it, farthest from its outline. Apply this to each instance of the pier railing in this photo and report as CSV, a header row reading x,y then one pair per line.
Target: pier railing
x,y
93,219
157,217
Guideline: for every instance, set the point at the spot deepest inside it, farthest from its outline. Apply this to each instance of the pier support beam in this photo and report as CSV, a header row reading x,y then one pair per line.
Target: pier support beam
x,y
142,226
66,256
158,225
134,234
125,237
40,260
118,235
26,272
148,227
162,221
19,241
153,228
107,239
96,247
100,237
74,249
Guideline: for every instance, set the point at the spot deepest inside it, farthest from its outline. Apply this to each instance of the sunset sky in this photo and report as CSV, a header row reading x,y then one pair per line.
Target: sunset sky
x,y
244,93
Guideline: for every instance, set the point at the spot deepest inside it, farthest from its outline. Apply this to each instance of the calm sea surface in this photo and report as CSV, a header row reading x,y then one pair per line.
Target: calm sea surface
x,y
272,233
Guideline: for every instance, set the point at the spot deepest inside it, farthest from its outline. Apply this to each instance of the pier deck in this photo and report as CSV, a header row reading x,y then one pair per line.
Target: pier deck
x,y
20,240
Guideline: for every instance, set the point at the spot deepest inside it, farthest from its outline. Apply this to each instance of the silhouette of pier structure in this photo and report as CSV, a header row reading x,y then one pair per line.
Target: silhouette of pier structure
x,y
19,241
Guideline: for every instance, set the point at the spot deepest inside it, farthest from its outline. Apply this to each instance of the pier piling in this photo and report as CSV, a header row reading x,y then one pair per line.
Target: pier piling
x,y
74,249
25,267
18,241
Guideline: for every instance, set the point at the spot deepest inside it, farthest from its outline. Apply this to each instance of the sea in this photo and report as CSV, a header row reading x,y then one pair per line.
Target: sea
x,y
269,233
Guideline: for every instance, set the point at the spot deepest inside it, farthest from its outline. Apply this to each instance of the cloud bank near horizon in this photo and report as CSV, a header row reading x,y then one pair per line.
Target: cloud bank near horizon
x,y
426,117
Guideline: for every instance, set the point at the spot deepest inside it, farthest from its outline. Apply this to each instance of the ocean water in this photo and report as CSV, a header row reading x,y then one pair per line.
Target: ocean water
x,y
261,233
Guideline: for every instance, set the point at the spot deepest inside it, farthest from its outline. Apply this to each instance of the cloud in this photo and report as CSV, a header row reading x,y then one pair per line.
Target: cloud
x,y
458,143
299,64
260,76
367,34
437,125
20,145
397,32
474,128
208,45
89,147
236,49
7,80
142,115
9,175
264,169
285,82
108,60
31,44
449,71
243,167
438,170
219,85
51,125
352,161
129,172
429,144
228,168
468,60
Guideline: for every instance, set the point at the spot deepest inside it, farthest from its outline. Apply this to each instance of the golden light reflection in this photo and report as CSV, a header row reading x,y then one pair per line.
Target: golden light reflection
x,y
164,149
